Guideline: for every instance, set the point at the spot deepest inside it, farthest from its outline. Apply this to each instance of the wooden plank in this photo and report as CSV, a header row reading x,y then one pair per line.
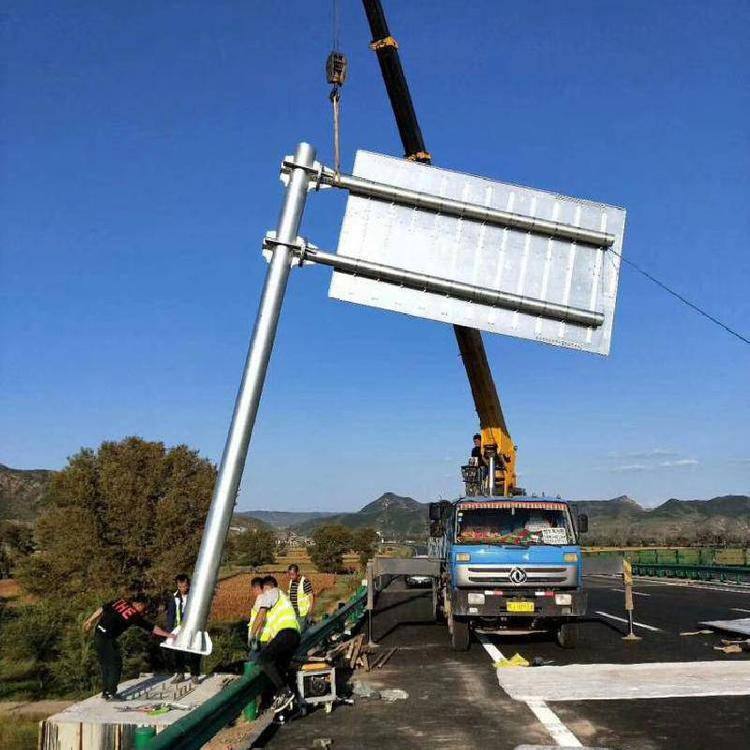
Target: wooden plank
x,y
387,656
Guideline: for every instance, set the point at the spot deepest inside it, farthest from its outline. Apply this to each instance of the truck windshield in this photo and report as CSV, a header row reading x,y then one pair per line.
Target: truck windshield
x,y
514,525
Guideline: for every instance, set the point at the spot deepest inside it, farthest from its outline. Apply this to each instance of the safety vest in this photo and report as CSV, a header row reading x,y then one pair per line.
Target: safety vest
x,y
303,600
281,617
178,608
264,634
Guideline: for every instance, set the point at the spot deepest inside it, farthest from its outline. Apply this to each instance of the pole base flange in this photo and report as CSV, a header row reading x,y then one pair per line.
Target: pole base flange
x,y
198,642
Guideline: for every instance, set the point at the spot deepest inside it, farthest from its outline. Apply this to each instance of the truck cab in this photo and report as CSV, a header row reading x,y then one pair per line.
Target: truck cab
x,y
510,565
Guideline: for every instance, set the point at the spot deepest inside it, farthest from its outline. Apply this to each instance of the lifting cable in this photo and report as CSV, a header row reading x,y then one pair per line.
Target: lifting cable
x,y
682,299
336,67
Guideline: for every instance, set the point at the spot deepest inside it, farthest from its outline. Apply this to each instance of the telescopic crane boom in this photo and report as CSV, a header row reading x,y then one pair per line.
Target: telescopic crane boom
x,y
495,435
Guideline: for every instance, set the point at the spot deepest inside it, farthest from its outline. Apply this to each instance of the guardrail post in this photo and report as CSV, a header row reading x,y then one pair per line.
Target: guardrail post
x,y
627,579
370,599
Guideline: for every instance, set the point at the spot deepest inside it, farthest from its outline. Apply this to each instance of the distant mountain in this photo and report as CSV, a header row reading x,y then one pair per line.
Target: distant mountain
x,y
622,521
619,521
282,519
22,492
394,516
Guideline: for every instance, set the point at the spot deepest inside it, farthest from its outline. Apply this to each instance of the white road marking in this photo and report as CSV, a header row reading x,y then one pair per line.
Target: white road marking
x,y
740,626
731,588
635,593
559,732
590,682
490,648
739,609
544,714
622,619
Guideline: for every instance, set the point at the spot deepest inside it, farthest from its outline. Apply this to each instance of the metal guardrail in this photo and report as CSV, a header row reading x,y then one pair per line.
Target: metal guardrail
x,y
694,572
199,726
677,555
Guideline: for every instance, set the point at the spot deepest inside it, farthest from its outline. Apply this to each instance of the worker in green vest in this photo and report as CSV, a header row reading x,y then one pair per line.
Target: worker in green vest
x,y
301,595
277,615
256,643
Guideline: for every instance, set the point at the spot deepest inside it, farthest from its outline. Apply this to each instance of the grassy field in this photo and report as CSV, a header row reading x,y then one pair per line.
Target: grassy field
x,y
233,598
19,732
297,557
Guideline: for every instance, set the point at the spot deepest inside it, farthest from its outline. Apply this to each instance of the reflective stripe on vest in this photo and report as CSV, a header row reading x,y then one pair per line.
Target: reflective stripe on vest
x,y
281,617
303,600
264,634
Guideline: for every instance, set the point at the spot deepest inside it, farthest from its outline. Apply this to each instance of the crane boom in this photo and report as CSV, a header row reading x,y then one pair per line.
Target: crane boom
x,y
470,344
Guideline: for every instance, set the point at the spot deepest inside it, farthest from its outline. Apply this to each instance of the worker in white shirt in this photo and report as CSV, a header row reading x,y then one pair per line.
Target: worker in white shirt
x,y
301,595
275,612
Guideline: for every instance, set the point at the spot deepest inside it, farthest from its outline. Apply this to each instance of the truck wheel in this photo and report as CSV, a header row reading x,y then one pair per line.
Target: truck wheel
x,y
567,635
460,635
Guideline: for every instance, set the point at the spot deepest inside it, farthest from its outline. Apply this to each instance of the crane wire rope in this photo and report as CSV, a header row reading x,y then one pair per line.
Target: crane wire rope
x,y
336,69
681,298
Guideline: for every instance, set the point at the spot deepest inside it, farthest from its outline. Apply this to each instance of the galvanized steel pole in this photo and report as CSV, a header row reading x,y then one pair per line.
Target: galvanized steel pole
x,y
193,636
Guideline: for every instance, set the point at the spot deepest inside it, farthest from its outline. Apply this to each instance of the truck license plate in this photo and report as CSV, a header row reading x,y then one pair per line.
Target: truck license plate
x,y
520,606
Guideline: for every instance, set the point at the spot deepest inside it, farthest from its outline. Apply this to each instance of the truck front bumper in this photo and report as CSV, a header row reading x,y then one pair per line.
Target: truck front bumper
x,y
478,603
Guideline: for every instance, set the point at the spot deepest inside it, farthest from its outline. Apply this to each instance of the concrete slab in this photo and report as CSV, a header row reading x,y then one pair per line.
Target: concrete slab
x,y
740,626
96,724
581,682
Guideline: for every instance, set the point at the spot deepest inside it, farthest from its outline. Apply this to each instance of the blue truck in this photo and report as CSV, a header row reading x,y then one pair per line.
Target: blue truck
x,y
509,565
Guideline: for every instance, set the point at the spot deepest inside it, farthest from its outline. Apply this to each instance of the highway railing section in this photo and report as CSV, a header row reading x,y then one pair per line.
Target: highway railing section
x,y
726,573
728,564
735,556
199,726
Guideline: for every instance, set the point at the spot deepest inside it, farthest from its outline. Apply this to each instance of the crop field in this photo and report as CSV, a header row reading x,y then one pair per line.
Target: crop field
x,y
233,599
9,588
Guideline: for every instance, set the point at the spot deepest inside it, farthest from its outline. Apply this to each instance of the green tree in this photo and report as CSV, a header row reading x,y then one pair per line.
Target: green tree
x,y
253,547
16,543
128,516
365,544
329,545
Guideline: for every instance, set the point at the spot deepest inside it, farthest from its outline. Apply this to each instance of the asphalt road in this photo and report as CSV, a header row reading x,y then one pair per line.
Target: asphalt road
x,y
455,700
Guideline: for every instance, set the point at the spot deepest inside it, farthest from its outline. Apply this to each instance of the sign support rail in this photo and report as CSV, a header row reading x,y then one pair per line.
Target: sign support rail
x,y
326,177
444,287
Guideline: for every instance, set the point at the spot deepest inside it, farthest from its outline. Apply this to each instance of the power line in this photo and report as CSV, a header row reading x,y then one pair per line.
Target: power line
x,y
682,299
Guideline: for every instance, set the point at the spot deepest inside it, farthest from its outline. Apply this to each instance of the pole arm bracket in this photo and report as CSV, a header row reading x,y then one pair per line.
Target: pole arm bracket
x,y
300,249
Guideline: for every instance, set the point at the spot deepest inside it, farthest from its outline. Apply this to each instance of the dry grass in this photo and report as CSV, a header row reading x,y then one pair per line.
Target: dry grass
x,y
19,732
12,593
9,588
233,599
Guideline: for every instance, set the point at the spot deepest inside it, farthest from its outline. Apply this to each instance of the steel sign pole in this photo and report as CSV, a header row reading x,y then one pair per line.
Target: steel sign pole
x,y
192,635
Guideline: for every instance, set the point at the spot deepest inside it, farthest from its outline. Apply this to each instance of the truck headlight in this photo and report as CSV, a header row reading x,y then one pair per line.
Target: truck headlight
x,y
463,557
563,600
476,598
570,557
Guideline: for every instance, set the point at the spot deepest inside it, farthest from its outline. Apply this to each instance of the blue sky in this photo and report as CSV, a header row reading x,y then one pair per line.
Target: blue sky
x,y
141,145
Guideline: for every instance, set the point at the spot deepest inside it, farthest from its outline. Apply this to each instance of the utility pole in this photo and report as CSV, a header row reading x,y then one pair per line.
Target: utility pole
x,y
192,635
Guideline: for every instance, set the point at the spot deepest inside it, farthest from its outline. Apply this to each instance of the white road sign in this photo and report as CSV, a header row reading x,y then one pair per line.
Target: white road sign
x,y
543,262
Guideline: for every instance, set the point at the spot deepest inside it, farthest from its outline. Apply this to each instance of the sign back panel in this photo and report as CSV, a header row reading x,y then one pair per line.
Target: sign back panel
x,y
511,260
